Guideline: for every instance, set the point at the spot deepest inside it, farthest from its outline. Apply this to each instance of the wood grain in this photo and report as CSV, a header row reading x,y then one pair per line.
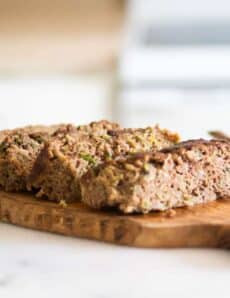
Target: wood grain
x,y
201,226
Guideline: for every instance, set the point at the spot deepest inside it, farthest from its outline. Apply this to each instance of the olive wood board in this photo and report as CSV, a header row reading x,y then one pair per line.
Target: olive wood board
x,y
206,225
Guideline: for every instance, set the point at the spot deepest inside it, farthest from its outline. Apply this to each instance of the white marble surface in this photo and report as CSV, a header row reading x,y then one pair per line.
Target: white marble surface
x,y
36,264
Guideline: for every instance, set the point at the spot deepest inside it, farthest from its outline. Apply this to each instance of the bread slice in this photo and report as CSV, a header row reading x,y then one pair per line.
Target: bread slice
x,y
19,149
69,154
186,174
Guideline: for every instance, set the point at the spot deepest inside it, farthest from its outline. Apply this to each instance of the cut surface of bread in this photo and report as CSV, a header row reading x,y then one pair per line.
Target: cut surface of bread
x,y
186,174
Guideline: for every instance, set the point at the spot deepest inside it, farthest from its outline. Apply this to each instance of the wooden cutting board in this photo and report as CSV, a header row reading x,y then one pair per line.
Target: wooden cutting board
x,y
201,226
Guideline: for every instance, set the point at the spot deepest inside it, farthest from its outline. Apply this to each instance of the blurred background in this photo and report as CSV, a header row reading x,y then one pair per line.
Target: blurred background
x,y
139,62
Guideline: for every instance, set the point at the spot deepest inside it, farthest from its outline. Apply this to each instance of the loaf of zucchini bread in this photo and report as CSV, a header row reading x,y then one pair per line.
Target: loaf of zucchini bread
x,y
186,174
71,152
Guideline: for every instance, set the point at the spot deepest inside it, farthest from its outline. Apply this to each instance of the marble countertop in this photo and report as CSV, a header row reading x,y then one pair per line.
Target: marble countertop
x,y
36,264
